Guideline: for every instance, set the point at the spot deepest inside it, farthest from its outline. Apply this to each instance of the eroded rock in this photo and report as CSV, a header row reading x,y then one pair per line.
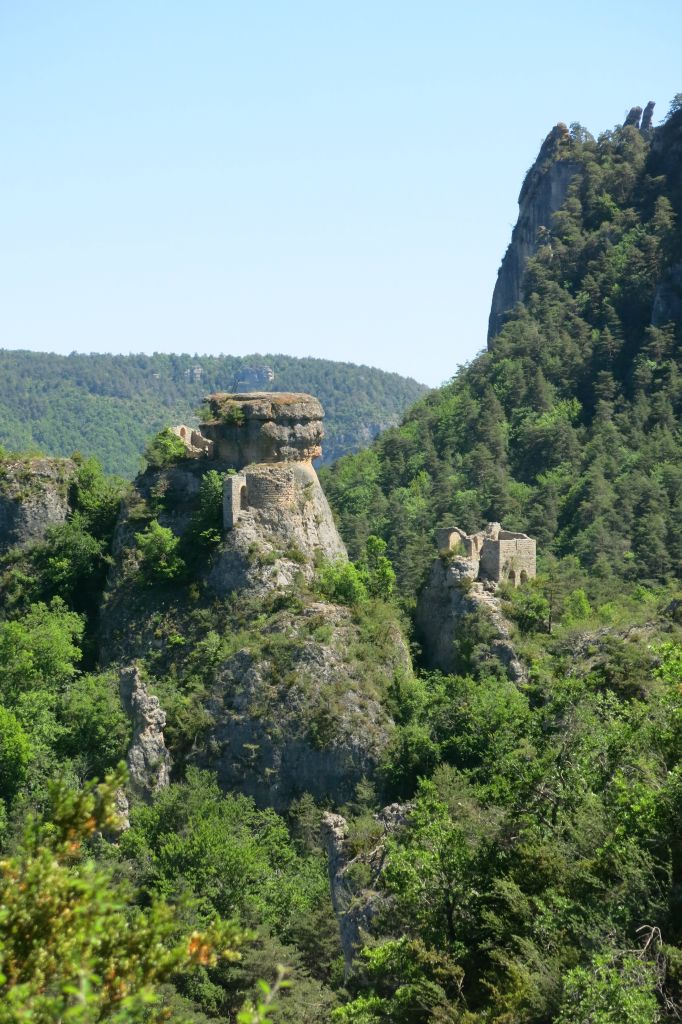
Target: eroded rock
x,y
543,192
148,759
356,907
34,495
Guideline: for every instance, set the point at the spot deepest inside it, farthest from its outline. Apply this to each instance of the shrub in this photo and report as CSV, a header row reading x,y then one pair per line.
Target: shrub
x,y
165,449
342,582
158,552
208,518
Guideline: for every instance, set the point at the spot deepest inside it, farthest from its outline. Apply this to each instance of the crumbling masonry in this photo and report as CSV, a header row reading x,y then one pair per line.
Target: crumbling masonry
x,y
495,554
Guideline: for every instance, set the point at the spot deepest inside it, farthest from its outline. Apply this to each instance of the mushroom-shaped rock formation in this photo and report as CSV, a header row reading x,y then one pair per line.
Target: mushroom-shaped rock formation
x,y
264,426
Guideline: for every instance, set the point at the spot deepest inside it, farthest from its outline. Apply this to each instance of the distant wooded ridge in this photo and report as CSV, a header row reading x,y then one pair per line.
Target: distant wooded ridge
x,y
109,405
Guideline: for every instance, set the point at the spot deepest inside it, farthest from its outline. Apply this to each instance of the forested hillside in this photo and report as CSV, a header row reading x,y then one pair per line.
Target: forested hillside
x,y
108,406
568,427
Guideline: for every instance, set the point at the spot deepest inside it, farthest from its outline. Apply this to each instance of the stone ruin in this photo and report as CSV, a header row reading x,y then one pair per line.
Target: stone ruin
x,y
196,444
495,555
266,441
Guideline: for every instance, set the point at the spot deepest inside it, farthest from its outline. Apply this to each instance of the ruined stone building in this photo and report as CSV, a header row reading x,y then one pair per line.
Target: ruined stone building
x,y
496,555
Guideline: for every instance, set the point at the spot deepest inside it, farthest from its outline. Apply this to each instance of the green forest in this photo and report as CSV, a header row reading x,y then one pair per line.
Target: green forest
x,y
108,405
512,850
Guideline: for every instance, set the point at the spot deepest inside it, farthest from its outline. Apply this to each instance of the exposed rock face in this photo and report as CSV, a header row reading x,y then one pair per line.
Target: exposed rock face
x,y
451,594
647,117
34,494
285,508
298,716
296,706
543,192
665,157
633,117
148,759
264,426
355,909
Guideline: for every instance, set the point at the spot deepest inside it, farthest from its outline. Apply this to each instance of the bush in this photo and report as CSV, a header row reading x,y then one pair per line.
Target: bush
x,y
165,449
157,546
342,583
207,521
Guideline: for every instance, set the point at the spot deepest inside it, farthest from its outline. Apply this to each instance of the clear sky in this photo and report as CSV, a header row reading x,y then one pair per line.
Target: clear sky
x,y
316,178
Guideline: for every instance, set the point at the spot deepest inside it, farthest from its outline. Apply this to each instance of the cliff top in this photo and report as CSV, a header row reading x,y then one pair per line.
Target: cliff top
x,y
266,405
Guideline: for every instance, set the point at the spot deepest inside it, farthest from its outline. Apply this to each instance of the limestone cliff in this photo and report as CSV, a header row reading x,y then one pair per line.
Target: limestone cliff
x,y
291,698
450,595
543,192
354,906
264,427
545,189
34,494
148,759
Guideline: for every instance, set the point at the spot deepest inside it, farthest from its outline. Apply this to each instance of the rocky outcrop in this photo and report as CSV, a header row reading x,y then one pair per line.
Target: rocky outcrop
x,y
450,595
633,117
543,192
647,118
667,305
264,426
665,157
34,494
296,712
295,703
356,907
286,510
148,759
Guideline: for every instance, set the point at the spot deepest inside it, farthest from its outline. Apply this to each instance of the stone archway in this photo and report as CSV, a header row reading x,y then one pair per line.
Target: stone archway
x,y
524,576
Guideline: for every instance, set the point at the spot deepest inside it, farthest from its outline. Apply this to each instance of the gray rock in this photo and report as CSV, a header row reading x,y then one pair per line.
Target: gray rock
x,y
355,908
34,494
448,597
264,426
148,759
632,120
543,192
667,305
647,117
304,723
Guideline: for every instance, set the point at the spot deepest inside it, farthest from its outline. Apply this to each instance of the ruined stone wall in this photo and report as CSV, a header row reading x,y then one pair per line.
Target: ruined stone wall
x,y
494,554
234,499
516,557
489,564
270,487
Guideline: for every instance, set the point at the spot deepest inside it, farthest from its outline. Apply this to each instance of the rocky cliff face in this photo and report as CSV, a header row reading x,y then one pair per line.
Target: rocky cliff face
x,y
148,759
450,595
543,192
354,906
34,494
264,427
292,698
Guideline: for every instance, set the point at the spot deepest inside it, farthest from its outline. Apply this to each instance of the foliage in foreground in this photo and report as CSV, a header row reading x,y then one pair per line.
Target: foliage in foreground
x,y
72,945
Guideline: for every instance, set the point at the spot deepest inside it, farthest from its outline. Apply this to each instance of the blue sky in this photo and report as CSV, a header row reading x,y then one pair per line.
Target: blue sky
x,y
327,179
